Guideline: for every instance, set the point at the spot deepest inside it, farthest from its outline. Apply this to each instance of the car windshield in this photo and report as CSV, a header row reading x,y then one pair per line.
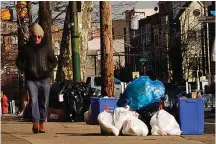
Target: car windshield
x,y
116,81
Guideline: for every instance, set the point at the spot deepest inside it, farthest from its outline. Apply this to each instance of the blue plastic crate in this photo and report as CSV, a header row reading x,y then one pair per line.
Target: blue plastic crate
x,y
191,116
98,105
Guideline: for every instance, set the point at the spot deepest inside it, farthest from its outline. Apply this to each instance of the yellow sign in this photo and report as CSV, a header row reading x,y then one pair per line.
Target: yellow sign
x,y
6,14
135,75
21,9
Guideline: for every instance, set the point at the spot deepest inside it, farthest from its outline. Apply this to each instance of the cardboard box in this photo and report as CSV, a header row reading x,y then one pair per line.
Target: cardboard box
x,y
55,115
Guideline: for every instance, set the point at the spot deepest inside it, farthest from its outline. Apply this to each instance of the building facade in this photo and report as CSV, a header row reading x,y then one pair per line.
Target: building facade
x,y
170,42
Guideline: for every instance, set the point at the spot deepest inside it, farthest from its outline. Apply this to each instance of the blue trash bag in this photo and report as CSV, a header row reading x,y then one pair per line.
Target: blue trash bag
x,y
141,92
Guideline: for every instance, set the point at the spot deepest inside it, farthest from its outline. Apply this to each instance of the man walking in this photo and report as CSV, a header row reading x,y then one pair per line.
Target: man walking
x,y
37,61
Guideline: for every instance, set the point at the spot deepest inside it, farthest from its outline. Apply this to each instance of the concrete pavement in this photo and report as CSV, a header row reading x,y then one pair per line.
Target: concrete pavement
x,y
18,132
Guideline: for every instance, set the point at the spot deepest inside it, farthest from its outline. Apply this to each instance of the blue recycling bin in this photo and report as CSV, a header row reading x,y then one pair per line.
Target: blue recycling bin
x,y
98,105
191,116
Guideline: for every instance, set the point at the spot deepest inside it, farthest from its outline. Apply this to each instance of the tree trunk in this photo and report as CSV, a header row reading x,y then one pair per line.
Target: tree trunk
x,y
21,42
64,62
85,20
64,70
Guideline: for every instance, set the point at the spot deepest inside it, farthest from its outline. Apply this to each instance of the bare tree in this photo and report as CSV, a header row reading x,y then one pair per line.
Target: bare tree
x,y
64,70
90,12
85,20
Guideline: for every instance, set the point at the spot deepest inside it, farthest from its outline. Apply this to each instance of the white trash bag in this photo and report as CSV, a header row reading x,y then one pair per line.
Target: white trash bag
x,y
88,116
105,120
163,123
134,126
120,114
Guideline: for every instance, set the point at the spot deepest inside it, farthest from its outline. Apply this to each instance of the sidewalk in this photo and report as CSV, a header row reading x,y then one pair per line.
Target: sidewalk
x,y
17,132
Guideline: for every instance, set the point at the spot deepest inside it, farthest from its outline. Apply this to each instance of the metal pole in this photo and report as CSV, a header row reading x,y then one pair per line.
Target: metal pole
x,y
119,59
95,62
206,41
75,43
127,38
202,48
203,52
133,35
107,72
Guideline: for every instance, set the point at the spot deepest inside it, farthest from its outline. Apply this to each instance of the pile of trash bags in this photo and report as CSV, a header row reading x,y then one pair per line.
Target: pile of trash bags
x,y
141,92
77,101
123,121
140,112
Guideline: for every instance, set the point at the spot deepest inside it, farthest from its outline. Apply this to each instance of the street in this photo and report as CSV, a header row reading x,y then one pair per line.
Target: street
x,y
15,131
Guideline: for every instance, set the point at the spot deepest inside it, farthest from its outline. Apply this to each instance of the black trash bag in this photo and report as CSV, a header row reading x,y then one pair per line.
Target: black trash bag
x,y
146,114
77,101
86,91
73,105
56,89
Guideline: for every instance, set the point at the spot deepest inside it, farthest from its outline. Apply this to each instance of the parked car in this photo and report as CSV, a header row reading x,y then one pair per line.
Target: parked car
x,y
95,81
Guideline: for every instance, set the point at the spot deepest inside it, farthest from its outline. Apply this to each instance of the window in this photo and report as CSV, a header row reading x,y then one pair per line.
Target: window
x,y
88,80
97,81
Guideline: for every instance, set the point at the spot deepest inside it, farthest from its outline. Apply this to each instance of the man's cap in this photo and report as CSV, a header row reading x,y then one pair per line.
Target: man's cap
x,y
37,30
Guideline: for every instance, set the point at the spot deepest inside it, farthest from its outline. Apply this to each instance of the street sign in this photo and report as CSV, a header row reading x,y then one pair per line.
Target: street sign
x,y
135,75
143,60
213,13
207,19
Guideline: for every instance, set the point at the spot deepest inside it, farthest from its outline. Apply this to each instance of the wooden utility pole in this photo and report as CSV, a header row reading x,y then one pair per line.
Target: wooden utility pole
x,y
107,72
45,22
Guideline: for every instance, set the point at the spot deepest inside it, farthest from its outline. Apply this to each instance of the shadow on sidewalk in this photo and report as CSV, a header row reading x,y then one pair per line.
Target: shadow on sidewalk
x,y
80,134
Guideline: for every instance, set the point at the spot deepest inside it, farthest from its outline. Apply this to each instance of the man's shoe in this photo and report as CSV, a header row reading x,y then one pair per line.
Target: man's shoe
x,y
35,128
41,128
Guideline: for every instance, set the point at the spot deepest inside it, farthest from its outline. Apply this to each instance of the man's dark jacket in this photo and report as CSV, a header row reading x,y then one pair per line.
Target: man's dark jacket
x,y
36,60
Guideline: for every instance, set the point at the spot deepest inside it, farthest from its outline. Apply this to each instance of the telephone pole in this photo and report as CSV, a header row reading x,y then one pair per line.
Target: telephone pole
x,y
75,42
107,72
45,22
